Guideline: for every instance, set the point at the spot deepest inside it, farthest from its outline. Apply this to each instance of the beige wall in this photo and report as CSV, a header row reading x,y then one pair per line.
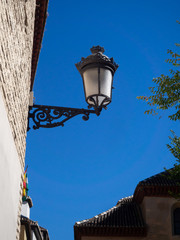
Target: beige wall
x,y
16,42
23,235
157,213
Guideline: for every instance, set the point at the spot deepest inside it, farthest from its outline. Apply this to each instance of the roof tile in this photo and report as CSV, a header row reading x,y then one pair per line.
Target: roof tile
x,y
126,213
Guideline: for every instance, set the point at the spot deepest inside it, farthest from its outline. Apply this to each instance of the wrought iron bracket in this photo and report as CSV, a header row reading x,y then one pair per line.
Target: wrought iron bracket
x,y
50,116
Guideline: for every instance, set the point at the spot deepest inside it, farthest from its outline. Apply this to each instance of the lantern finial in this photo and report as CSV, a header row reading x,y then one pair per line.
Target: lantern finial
x,y
96,49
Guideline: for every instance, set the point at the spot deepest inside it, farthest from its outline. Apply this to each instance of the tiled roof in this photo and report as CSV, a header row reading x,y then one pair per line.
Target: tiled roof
x,y
39,24
122,220
159,185
160,179
125,219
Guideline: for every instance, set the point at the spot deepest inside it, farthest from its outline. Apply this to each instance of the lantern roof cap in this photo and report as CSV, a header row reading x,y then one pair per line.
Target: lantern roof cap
x,y
96,49
96,57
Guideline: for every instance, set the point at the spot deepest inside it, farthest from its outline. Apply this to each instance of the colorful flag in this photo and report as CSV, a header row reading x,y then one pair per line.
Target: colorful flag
x,y
25,186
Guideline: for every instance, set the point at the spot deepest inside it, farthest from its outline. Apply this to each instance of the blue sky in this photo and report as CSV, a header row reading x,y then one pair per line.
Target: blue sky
x,y
84,168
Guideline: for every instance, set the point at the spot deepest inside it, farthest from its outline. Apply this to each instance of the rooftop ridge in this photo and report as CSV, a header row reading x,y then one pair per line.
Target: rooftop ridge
x,y
126,208
162,178
122,200
159,185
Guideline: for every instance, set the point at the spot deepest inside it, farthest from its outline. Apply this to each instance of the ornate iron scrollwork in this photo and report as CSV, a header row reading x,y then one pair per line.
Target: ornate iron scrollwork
x,y
97,56
50,116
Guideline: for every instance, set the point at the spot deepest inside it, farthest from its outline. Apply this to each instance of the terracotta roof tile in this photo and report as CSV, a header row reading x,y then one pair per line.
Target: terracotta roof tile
x,y
159,185
125,214
122,220
125,219
160,179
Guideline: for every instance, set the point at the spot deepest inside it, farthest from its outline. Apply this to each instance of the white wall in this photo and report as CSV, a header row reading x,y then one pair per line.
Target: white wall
x,y
10,178
25,209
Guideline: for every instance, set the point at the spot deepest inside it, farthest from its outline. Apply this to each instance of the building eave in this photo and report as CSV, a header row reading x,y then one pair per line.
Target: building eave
x,y
159,185
39,25
40,232
109,231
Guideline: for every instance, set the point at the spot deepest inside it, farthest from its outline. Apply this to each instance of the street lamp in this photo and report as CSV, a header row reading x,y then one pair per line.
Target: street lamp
x,y
97,71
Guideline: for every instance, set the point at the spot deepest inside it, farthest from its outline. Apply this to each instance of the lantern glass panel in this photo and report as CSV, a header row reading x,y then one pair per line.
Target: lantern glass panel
x,y
105,82
90,77
100,100
97,100
98,86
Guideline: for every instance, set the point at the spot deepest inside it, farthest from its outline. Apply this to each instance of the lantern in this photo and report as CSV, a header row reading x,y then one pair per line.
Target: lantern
x,y
97,71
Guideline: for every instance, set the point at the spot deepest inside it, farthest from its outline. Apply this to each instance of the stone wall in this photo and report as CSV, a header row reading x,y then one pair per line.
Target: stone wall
x,y
16,42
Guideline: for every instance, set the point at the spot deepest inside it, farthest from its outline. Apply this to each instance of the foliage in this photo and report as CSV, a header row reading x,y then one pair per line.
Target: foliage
x,y
174,148
166,93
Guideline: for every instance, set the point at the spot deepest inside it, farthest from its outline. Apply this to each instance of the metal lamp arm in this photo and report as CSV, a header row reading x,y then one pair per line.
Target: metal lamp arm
x,y
51,116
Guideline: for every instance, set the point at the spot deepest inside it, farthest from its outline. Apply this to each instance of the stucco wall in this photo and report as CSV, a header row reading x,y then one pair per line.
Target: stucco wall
x,y
10,179
157,212
16,42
